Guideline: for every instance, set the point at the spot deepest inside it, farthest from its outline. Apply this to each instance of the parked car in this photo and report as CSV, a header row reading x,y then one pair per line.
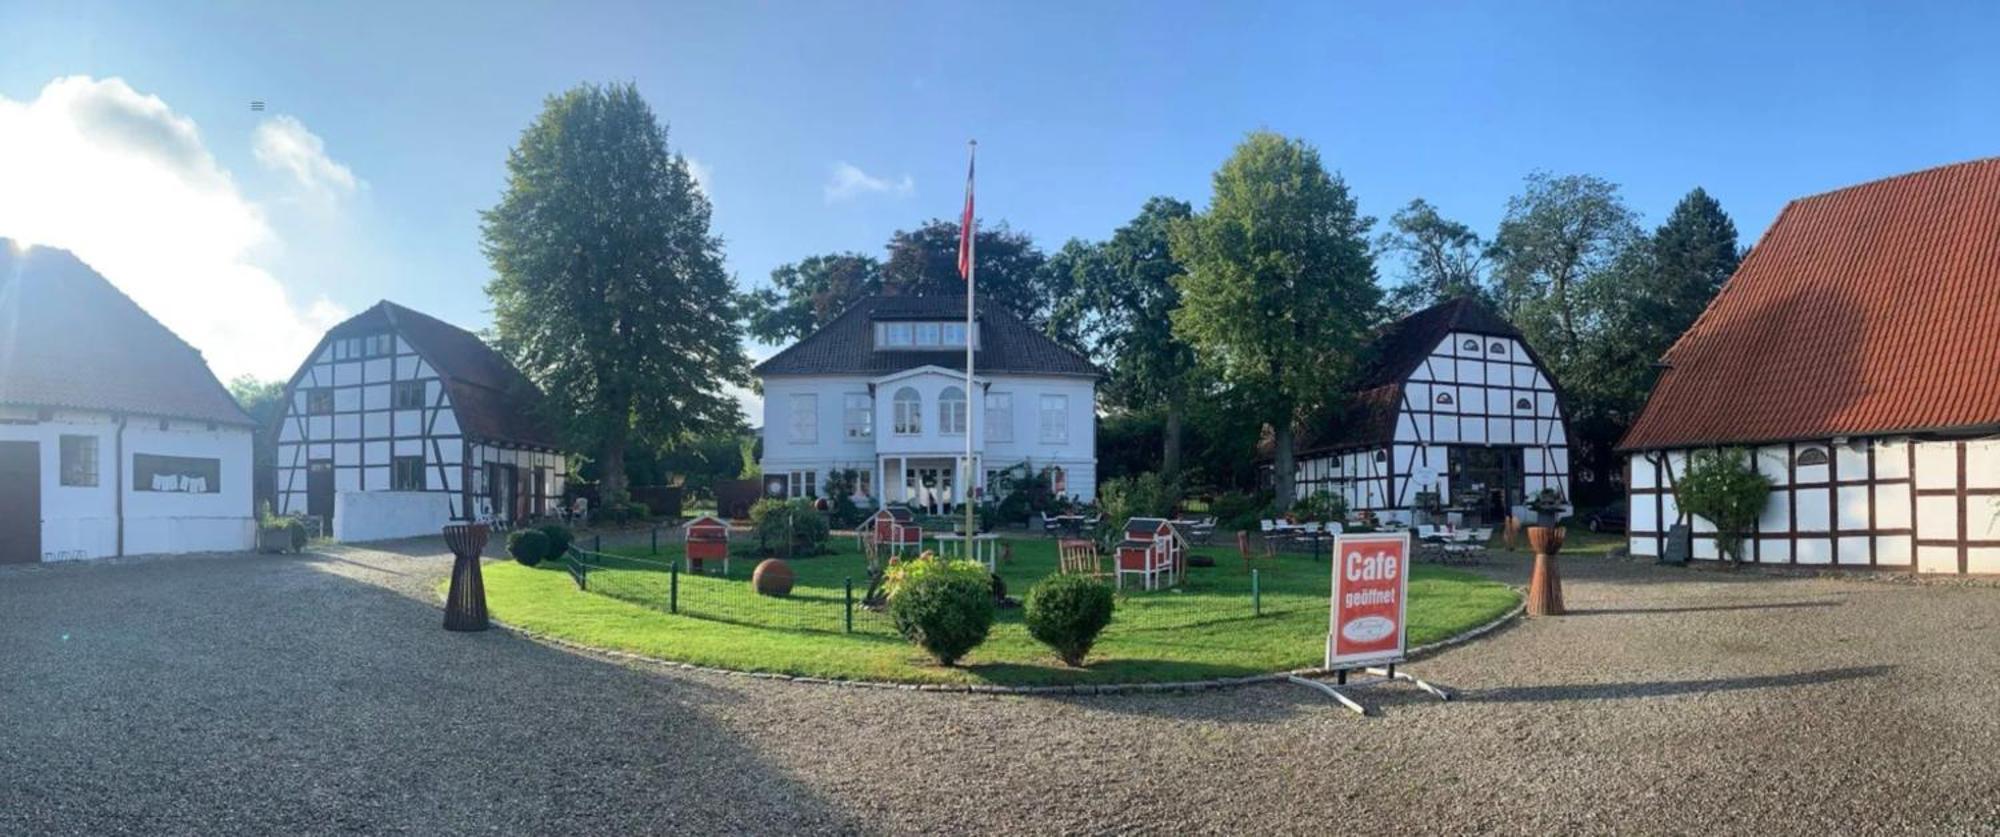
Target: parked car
x,y
1607,519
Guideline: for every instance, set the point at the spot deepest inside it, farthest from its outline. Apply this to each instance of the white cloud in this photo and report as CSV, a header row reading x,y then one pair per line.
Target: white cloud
x,y
702,174
849,181
283,144
127,184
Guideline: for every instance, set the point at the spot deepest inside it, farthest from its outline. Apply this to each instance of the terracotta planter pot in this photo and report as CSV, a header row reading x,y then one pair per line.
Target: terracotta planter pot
x,y
772,578
1545,593
465,605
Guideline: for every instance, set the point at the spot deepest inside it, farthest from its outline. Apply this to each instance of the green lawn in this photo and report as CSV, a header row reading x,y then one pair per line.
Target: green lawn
x,y
1205,629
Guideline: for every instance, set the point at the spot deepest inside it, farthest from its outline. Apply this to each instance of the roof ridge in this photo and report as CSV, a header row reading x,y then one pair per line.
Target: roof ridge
x,y
1880,181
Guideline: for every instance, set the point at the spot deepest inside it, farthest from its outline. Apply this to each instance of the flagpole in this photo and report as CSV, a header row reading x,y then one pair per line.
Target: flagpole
x,y
971,291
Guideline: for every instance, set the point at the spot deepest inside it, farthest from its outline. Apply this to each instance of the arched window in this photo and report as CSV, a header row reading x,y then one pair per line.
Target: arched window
x,y
1523,404
951,411
1470,345
1810,456
1444,398
909,412
1497,348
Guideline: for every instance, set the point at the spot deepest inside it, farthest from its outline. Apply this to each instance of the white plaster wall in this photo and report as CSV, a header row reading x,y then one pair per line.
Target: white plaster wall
x,y
381,515
831,448
82,521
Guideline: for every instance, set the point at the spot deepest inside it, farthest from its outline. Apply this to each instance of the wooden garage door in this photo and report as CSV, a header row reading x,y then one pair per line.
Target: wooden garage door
x,y
20,503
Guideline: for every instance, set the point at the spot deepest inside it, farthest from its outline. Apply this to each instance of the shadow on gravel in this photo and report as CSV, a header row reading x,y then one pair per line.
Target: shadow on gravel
x,y
257,695
1668,688
1629,611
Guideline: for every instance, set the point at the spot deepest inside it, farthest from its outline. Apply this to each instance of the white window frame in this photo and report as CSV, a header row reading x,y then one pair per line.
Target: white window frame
x,y
804,428
908,414
858,415
1057,406
953,413
952,335
898,335
999,417
928,334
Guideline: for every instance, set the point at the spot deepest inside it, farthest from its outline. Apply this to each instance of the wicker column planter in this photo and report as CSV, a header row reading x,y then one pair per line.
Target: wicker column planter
x,y
1545,589
465,606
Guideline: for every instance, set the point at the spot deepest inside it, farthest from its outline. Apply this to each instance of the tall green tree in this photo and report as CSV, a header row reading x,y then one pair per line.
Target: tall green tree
x,y
807,294
265,402
924,262
1442,259
1126,287
1557,233
1279,284
608,288
1649,296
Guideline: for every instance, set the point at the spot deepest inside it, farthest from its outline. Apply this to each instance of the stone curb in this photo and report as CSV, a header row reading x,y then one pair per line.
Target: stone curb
x,y
1520,607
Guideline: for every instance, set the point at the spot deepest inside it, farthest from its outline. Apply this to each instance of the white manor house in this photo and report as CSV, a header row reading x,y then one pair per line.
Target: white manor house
x,y
881,390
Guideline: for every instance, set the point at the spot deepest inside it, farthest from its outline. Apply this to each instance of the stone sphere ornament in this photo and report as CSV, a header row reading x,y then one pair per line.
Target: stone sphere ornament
x,y
772,577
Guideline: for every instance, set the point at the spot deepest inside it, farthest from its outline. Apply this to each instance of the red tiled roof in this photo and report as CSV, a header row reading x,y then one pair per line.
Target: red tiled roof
x,y
68,338
1863,311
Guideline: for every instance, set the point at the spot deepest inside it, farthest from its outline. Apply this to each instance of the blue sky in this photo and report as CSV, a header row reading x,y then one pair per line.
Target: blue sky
x,y
400,119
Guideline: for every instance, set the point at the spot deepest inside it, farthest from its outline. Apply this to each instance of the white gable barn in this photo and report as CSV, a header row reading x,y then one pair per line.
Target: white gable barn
x,y
400,423
1453,403
115,438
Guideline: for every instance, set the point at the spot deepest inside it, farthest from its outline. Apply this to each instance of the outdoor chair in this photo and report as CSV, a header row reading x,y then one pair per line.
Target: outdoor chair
x,y
1265,552
1050,526
1079,557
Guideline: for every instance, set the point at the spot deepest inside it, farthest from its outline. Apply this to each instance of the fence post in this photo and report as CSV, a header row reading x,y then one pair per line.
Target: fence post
x,y
674,587
1256,595
656,540
850,604
597,543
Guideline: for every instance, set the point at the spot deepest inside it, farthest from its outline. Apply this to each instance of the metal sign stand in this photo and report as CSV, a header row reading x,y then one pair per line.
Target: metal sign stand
x,y
1386,674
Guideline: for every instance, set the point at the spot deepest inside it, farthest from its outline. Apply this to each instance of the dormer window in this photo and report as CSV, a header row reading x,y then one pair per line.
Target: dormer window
x,y
920,335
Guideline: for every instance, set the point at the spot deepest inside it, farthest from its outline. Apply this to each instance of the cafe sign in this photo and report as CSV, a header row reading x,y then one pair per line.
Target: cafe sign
x,y
1371,594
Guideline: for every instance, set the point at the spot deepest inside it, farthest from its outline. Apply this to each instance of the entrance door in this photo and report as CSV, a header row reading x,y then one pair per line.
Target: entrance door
x,y
539,504
20,502
319,493
501,489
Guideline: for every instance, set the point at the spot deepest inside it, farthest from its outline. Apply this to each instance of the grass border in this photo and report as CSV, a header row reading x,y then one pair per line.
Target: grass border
x,y
1520,607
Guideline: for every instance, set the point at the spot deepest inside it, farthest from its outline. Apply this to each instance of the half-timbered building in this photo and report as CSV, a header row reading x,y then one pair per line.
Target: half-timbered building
x,y
115,438
1454,416
399,423
1854,357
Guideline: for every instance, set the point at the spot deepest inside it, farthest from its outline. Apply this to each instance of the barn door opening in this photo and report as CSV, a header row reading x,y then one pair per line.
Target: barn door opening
x,y
319,493
20,502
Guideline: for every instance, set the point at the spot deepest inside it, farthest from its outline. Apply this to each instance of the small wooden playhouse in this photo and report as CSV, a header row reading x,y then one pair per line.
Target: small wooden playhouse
x,y
1153,550
707,540
893,529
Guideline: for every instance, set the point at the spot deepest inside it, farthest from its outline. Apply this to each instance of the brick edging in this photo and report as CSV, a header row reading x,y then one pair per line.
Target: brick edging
x,y
1520,606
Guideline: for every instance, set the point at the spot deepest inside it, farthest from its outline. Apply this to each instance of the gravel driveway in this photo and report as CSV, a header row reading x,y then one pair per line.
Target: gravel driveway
x,y
255,695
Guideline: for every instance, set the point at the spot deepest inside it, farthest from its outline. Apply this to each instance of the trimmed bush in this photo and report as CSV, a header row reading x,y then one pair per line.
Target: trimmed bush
x,y
560,538
945,607
528,546
1067,612
789,528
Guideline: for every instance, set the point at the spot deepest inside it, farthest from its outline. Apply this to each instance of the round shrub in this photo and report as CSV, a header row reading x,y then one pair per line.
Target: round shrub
x,y
559,540
1067,612
297,530
528,546
946,607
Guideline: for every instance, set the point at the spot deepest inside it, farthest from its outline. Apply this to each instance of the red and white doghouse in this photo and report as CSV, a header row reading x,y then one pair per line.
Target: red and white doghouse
x,y
1152,550
707,540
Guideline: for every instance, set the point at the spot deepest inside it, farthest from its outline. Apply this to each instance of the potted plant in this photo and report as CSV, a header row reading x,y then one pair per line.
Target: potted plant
x,y
1547,503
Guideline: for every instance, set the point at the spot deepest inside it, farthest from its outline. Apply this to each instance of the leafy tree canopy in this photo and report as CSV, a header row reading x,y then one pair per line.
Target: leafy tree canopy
x,y
807,294
1442,259
608,288
1279,288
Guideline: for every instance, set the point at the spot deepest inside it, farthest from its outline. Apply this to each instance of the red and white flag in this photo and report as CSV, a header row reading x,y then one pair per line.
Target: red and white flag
x,y
965,231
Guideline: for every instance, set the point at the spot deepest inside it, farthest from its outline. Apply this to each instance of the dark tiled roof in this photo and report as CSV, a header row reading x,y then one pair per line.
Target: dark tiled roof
x,y
1367,416
70,339
492,399
846,346
1867,310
